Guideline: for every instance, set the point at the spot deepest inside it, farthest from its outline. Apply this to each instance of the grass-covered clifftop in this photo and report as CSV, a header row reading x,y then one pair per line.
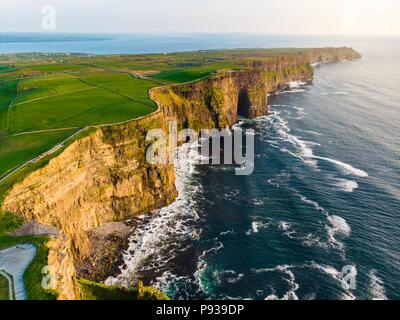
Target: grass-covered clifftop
x,y
45,98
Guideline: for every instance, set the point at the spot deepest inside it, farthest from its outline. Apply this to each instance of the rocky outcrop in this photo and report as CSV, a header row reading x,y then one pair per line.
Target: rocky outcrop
x,y
32,228
104,177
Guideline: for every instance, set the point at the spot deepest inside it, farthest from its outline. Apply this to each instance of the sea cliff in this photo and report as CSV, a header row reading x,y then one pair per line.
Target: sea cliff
x,y
104,177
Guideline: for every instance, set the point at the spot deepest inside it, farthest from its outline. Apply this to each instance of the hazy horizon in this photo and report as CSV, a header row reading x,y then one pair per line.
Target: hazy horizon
x,y
273,17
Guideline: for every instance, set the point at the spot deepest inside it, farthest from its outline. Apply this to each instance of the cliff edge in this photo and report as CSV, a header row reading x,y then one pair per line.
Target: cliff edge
x,y
104,177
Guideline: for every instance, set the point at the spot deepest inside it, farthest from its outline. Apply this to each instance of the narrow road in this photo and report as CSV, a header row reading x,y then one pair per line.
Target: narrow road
x,y
42,131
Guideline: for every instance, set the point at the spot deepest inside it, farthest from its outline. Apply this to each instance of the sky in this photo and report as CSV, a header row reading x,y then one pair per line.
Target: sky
x,y
339,17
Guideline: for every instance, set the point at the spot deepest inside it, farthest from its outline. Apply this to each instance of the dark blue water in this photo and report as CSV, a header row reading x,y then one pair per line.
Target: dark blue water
x,y
325,194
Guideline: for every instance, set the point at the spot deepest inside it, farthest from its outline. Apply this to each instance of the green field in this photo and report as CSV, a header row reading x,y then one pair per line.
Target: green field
x,y
42,99
8,91
15,150
4,289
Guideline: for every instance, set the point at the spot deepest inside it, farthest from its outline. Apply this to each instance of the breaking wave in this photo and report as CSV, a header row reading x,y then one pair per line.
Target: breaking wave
x,y
377,289
294,286
256,226
346,185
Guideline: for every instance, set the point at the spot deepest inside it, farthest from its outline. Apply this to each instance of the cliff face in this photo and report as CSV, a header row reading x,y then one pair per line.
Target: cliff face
x,y
216,102
104,177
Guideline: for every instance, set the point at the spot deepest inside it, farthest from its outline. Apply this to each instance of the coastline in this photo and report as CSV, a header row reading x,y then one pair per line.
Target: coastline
x,y
164,112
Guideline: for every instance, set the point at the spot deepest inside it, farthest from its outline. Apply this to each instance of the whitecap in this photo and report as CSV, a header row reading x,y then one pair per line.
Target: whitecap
x,y
377,289
291,280
231,276
284,226
329,270
291,91
156,239
258,202
256,226
336,275
336,225
340,93
296,84
312,203
224,233
347,168
306,151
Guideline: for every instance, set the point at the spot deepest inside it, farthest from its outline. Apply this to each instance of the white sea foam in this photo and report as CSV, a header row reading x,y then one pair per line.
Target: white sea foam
x,y
329,270
291,280
340,225
224,233
346,185
291,91
294,287
256,226
306,151
296,84
230,276
273,183
309,240
315,133
258,202
312,203
346,168
348,296
334,274
337,225
284,226
202,264
377,289
158,235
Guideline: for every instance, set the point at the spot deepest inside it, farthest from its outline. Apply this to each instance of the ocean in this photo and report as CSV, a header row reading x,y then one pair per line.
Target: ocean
x,y
325,193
